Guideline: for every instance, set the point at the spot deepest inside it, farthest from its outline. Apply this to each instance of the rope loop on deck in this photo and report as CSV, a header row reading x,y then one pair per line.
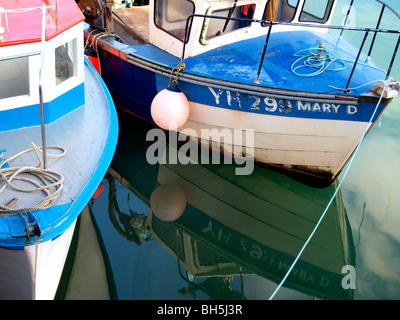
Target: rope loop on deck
x,y
316,58
45,180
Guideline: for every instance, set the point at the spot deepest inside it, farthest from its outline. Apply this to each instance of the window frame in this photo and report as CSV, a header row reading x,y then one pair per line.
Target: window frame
x,y
165,30
26,71
286,1
327,14
74,61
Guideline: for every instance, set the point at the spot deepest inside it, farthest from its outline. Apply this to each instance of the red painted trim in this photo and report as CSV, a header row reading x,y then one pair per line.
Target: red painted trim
x,y
27,27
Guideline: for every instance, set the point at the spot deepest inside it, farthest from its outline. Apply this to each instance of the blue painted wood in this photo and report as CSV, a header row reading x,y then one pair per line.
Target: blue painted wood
x,y
238,62
55,220
28,116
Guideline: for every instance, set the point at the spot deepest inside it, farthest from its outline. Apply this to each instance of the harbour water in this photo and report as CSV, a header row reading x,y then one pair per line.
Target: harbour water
x,y
238,235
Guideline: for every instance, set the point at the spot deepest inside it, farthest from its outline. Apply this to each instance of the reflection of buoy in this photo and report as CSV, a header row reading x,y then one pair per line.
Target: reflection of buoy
x,y
168,202
98,191
170,108
92,57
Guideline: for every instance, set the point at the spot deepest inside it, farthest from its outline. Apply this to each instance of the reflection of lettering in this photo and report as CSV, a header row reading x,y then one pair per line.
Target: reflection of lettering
x,y
260,253
272,105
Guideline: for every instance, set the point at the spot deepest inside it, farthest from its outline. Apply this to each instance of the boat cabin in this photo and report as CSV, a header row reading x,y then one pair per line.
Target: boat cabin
x,y
233,20
28,57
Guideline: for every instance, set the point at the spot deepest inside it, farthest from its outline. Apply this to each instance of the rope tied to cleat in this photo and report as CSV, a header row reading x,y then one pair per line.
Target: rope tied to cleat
x,y
45,180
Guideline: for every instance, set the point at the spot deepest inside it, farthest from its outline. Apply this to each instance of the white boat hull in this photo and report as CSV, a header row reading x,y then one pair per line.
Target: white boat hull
x,y
34,272
315,146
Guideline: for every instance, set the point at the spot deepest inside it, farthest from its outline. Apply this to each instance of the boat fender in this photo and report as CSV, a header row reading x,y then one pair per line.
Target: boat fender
x,y
170,108
168,202
93,58
98,191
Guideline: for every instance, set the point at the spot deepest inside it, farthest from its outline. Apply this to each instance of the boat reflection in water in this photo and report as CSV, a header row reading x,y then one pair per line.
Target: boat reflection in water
x,y
234,236
232,226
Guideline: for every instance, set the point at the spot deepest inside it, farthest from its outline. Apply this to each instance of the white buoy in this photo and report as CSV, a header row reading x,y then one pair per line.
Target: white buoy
x,y
170,108
168,202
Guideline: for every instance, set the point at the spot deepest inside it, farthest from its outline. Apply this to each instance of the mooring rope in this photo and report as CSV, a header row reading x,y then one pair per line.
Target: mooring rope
x,y
49,179
94,42
332,198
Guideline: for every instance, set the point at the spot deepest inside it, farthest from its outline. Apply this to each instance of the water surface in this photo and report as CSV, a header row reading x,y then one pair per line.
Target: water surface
x,y
238,235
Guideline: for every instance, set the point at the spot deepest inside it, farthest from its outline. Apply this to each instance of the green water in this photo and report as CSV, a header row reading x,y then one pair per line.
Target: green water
x,y
236,258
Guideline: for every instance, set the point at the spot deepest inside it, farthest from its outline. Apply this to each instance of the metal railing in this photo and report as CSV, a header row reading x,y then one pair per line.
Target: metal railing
x,y
271,24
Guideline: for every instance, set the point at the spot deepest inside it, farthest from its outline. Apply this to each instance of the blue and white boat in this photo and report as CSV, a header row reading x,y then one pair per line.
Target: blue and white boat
x,y
58,134
277,68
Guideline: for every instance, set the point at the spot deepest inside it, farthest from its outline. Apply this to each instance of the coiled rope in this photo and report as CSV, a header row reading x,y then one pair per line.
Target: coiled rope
x,y
316,58
51,181
332,198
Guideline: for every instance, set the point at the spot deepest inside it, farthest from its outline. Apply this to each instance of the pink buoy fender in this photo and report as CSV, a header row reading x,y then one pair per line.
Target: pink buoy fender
x,y
170,108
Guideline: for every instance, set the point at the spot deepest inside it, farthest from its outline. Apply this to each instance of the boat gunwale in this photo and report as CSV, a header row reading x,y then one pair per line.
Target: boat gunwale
x,y
54,227
218,83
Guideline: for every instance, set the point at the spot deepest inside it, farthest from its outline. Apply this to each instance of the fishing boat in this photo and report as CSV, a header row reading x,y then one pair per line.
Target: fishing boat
x,y
217,224
280,70
58,133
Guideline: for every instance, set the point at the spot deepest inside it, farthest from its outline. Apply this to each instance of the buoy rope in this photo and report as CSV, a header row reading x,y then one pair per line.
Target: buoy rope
x,y
332,198
49,180
180,67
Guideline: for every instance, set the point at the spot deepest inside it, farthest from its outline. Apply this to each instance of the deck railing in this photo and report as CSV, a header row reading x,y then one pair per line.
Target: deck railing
x,y
271,24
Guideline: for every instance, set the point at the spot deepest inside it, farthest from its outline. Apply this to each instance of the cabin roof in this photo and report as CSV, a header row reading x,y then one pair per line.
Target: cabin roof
x,y
22,20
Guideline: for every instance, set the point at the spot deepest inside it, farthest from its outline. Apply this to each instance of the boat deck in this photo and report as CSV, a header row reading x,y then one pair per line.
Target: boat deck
x,y
85,134
238,62
134,23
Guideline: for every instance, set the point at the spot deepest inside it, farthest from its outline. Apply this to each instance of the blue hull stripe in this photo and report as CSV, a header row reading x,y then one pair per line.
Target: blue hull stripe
x,y
30,115
134,88
278,107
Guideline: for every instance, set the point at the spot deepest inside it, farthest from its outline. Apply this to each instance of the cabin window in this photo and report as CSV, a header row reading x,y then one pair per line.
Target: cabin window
x,y
14,77
65,61
171,16
280,10
316,11
218,26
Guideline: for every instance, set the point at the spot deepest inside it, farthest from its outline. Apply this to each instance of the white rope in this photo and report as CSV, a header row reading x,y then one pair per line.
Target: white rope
x,y
331,200
49,180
